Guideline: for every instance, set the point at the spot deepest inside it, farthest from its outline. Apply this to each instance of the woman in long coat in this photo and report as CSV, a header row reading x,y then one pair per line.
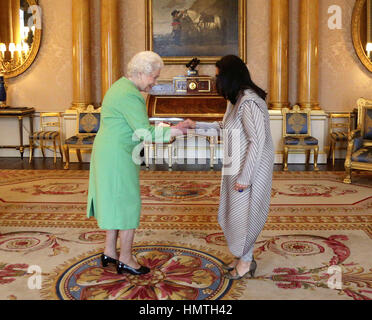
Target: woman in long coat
x,y
114,188
248,162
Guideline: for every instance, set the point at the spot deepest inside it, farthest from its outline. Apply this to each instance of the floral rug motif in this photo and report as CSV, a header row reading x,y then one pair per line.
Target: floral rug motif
x,y
315,244
177,273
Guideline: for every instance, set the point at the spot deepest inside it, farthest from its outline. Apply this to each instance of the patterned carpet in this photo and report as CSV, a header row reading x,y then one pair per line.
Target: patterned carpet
x,y
49,250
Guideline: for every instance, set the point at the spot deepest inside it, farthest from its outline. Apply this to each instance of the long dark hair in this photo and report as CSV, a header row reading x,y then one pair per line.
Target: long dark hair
x,y
233,77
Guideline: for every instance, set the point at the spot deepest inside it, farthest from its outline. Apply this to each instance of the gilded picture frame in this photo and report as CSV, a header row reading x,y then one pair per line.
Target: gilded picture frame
x,y
358,32
35,20
179,30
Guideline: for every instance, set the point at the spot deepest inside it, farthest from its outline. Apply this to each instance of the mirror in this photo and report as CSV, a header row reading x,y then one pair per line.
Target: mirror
x,y
20,35
361,26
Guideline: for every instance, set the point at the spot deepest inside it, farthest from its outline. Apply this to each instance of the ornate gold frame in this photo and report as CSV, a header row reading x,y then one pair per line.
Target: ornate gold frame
x,y
204,60
34,50
355,31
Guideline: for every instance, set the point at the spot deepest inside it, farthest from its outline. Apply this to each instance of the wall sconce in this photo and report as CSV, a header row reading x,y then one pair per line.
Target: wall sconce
x,y
18,54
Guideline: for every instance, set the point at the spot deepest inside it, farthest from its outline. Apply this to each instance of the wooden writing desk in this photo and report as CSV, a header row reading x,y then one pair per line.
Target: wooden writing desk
x,y
164,102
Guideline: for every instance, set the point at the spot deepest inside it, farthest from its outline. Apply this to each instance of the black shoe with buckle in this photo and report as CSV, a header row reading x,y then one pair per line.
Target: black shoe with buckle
x,y
122,267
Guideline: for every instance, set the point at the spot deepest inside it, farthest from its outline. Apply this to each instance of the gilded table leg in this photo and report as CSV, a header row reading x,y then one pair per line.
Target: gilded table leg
x,y
31,118
78,153
212,151
170,150
146,151
20,123
307,152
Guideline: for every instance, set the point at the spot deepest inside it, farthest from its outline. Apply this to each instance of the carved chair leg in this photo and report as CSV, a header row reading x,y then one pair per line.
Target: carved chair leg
x,y
55,151
316,152
285,159
60,149
330,149
42,147
31,150
348,175
78,153
333,153
67,156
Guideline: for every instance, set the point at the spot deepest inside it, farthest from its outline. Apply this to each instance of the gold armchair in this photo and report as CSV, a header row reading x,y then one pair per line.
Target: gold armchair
x,y
297,134
359,149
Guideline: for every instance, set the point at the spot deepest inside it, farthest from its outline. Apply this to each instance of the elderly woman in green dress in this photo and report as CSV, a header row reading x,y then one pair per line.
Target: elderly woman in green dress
x,y
114,188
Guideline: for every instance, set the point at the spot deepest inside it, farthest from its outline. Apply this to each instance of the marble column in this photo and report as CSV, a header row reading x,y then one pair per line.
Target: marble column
x,y
81,54
279,54
308,71
110,58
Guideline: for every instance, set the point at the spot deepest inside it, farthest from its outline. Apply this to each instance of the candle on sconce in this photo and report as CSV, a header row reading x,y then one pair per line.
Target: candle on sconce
x,y
2,49
25,48
369,49
19,50
12,48
26,31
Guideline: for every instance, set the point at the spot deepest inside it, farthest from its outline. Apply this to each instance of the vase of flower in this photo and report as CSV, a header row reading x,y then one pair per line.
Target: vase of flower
x,y
2,92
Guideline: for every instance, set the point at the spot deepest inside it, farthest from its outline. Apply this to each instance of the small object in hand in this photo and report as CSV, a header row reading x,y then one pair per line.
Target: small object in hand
x,y
163,124
241,190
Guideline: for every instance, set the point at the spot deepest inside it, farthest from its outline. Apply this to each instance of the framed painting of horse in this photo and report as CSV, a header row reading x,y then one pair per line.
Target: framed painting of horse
x,y
208,29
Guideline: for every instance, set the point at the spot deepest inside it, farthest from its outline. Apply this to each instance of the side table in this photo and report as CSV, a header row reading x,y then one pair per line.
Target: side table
x,y
19,113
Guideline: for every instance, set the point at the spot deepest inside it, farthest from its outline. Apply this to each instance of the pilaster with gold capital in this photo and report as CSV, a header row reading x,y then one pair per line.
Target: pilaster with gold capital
x,y
279,76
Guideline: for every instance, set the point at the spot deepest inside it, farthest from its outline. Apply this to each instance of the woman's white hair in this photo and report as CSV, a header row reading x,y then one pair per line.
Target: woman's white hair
x,y
146,62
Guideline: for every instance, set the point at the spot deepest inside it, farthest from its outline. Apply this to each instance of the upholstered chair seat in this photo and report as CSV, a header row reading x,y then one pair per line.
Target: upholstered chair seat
x,y
339,136
46,135
305,141
363,155
79,139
